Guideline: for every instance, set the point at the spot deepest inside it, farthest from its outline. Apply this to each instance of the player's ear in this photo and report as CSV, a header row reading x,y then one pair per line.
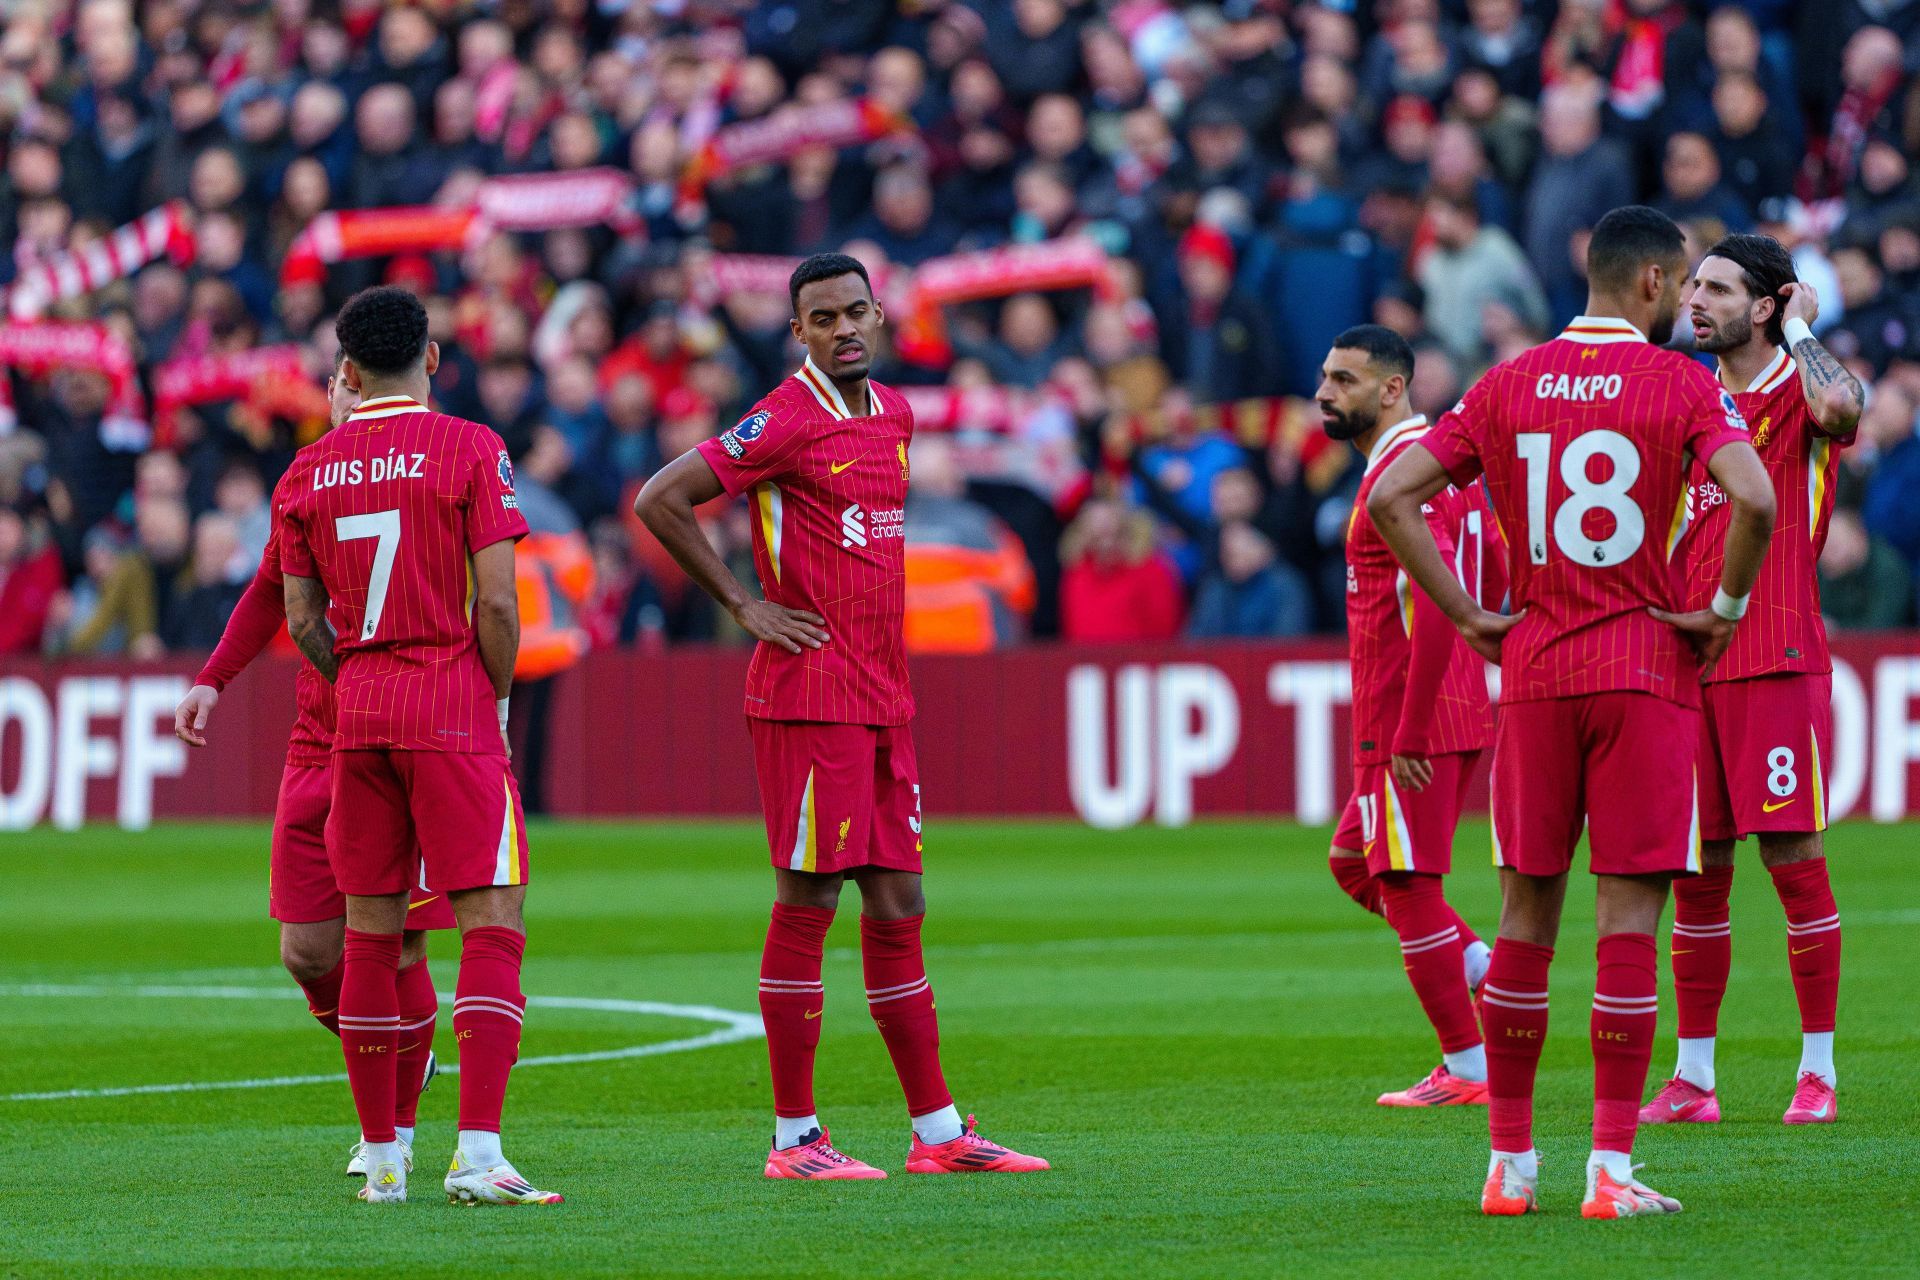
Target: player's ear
x,y
433,358
350,374
794,324
879,316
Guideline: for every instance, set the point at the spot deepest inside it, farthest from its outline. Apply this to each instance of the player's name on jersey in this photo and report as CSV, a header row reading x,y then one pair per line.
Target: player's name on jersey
x,y
392,466
1558,386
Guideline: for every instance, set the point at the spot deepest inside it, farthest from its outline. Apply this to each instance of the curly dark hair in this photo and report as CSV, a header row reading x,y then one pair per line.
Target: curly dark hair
x,y
383,330
824,266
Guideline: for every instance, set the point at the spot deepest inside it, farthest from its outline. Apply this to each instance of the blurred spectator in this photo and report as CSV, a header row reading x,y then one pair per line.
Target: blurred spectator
x,y
1116,585
241,496
1887,428
30,580
969,586
1581,176
1693,188
1250,594
1863,580
1225,350
195,616
1469,267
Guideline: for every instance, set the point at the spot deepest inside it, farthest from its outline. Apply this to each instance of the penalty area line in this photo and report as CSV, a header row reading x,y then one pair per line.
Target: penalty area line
x,y
733,1027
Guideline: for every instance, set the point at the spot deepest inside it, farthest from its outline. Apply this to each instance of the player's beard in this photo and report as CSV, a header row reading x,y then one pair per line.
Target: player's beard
x,y
1663,322
1348,425
1728,336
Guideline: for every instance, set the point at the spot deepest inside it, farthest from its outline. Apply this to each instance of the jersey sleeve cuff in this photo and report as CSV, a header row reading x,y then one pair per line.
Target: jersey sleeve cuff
x,y
715,456
481,541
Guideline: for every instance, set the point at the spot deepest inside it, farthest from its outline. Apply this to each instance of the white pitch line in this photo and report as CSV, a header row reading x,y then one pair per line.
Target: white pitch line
x,y
734,1027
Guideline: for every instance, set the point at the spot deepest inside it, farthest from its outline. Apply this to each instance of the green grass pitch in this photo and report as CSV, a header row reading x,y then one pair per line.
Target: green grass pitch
x,y
1192,1025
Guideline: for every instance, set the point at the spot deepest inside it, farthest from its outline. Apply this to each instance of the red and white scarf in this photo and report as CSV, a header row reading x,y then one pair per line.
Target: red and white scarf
x,y
115,257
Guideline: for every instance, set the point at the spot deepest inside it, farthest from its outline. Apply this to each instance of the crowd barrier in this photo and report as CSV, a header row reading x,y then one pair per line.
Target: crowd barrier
x,y
1113,736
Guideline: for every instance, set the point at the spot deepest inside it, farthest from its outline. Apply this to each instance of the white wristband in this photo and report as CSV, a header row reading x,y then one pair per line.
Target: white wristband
x,y
1732,608
500,708
1796,331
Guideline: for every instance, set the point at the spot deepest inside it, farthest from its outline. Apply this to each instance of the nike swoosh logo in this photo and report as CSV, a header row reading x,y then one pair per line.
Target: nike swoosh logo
x,y
1682,953
415,906
1800,951
838,467
1821,1114
814,1013
1678,1106
1369,848
1769,808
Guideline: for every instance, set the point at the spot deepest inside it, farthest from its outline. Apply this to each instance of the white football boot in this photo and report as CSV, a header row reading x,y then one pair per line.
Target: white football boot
x,y
501,1184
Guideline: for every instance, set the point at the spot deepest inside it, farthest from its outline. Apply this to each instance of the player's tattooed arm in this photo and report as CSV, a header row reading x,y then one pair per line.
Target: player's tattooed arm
x,y
307,623
1833,394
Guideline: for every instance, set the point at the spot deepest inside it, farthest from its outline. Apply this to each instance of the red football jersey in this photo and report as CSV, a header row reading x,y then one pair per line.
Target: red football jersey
x,y
387,510
1382,635
1783,630
828,493
1584,441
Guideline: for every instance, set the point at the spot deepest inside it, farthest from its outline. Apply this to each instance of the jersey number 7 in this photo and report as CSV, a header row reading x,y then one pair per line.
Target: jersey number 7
x,y
1584,495
385,526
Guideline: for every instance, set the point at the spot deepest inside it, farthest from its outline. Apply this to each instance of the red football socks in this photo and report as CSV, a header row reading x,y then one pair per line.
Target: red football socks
x,y
1625,1009
1430,950
370,1028
1357,882
323,996
487,1012
901,1002
1513,1004
419,1010
791,1002
1813,939
1702,949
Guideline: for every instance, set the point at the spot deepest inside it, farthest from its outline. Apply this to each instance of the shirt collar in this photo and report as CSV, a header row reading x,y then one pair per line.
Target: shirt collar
x,y
824,389
385,407
1594,330
1775,372
1406,429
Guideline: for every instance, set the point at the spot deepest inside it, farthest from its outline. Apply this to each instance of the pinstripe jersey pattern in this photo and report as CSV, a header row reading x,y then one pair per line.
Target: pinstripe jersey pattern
x,y
386,510
827,492
1380,627
311,741
1783,630
1578,413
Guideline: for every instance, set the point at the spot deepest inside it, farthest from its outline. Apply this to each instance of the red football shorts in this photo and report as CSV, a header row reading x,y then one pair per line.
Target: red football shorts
x,y
838,796
462,809
300,884
1400,830
1764,747
1623,762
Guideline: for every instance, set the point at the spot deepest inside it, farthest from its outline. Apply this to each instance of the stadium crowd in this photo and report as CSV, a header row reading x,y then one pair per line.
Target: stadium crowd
x,y
1127,454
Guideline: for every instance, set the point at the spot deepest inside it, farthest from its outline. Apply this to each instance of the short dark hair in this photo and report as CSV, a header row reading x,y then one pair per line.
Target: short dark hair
x,y
1386,350
825,266
383,330
1626,240
1766,268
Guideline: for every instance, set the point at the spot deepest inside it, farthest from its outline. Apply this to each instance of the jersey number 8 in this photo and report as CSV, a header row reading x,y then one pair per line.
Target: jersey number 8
x,y
1584,495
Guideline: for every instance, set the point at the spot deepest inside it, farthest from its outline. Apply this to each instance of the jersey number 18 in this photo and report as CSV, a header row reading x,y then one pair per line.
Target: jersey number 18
x,y
1584,495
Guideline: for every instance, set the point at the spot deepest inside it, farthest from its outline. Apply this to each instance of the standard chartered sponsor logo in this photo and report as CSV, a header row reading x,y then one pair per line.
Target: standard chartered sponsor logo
x,y
859,527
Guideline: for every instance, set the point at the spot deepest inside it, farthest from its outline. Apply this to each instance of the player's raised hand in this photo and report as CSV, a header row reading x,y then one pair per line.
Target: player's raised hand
x,y
777,624
1412,773
1705,630
1484,629
191,716
1802,303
